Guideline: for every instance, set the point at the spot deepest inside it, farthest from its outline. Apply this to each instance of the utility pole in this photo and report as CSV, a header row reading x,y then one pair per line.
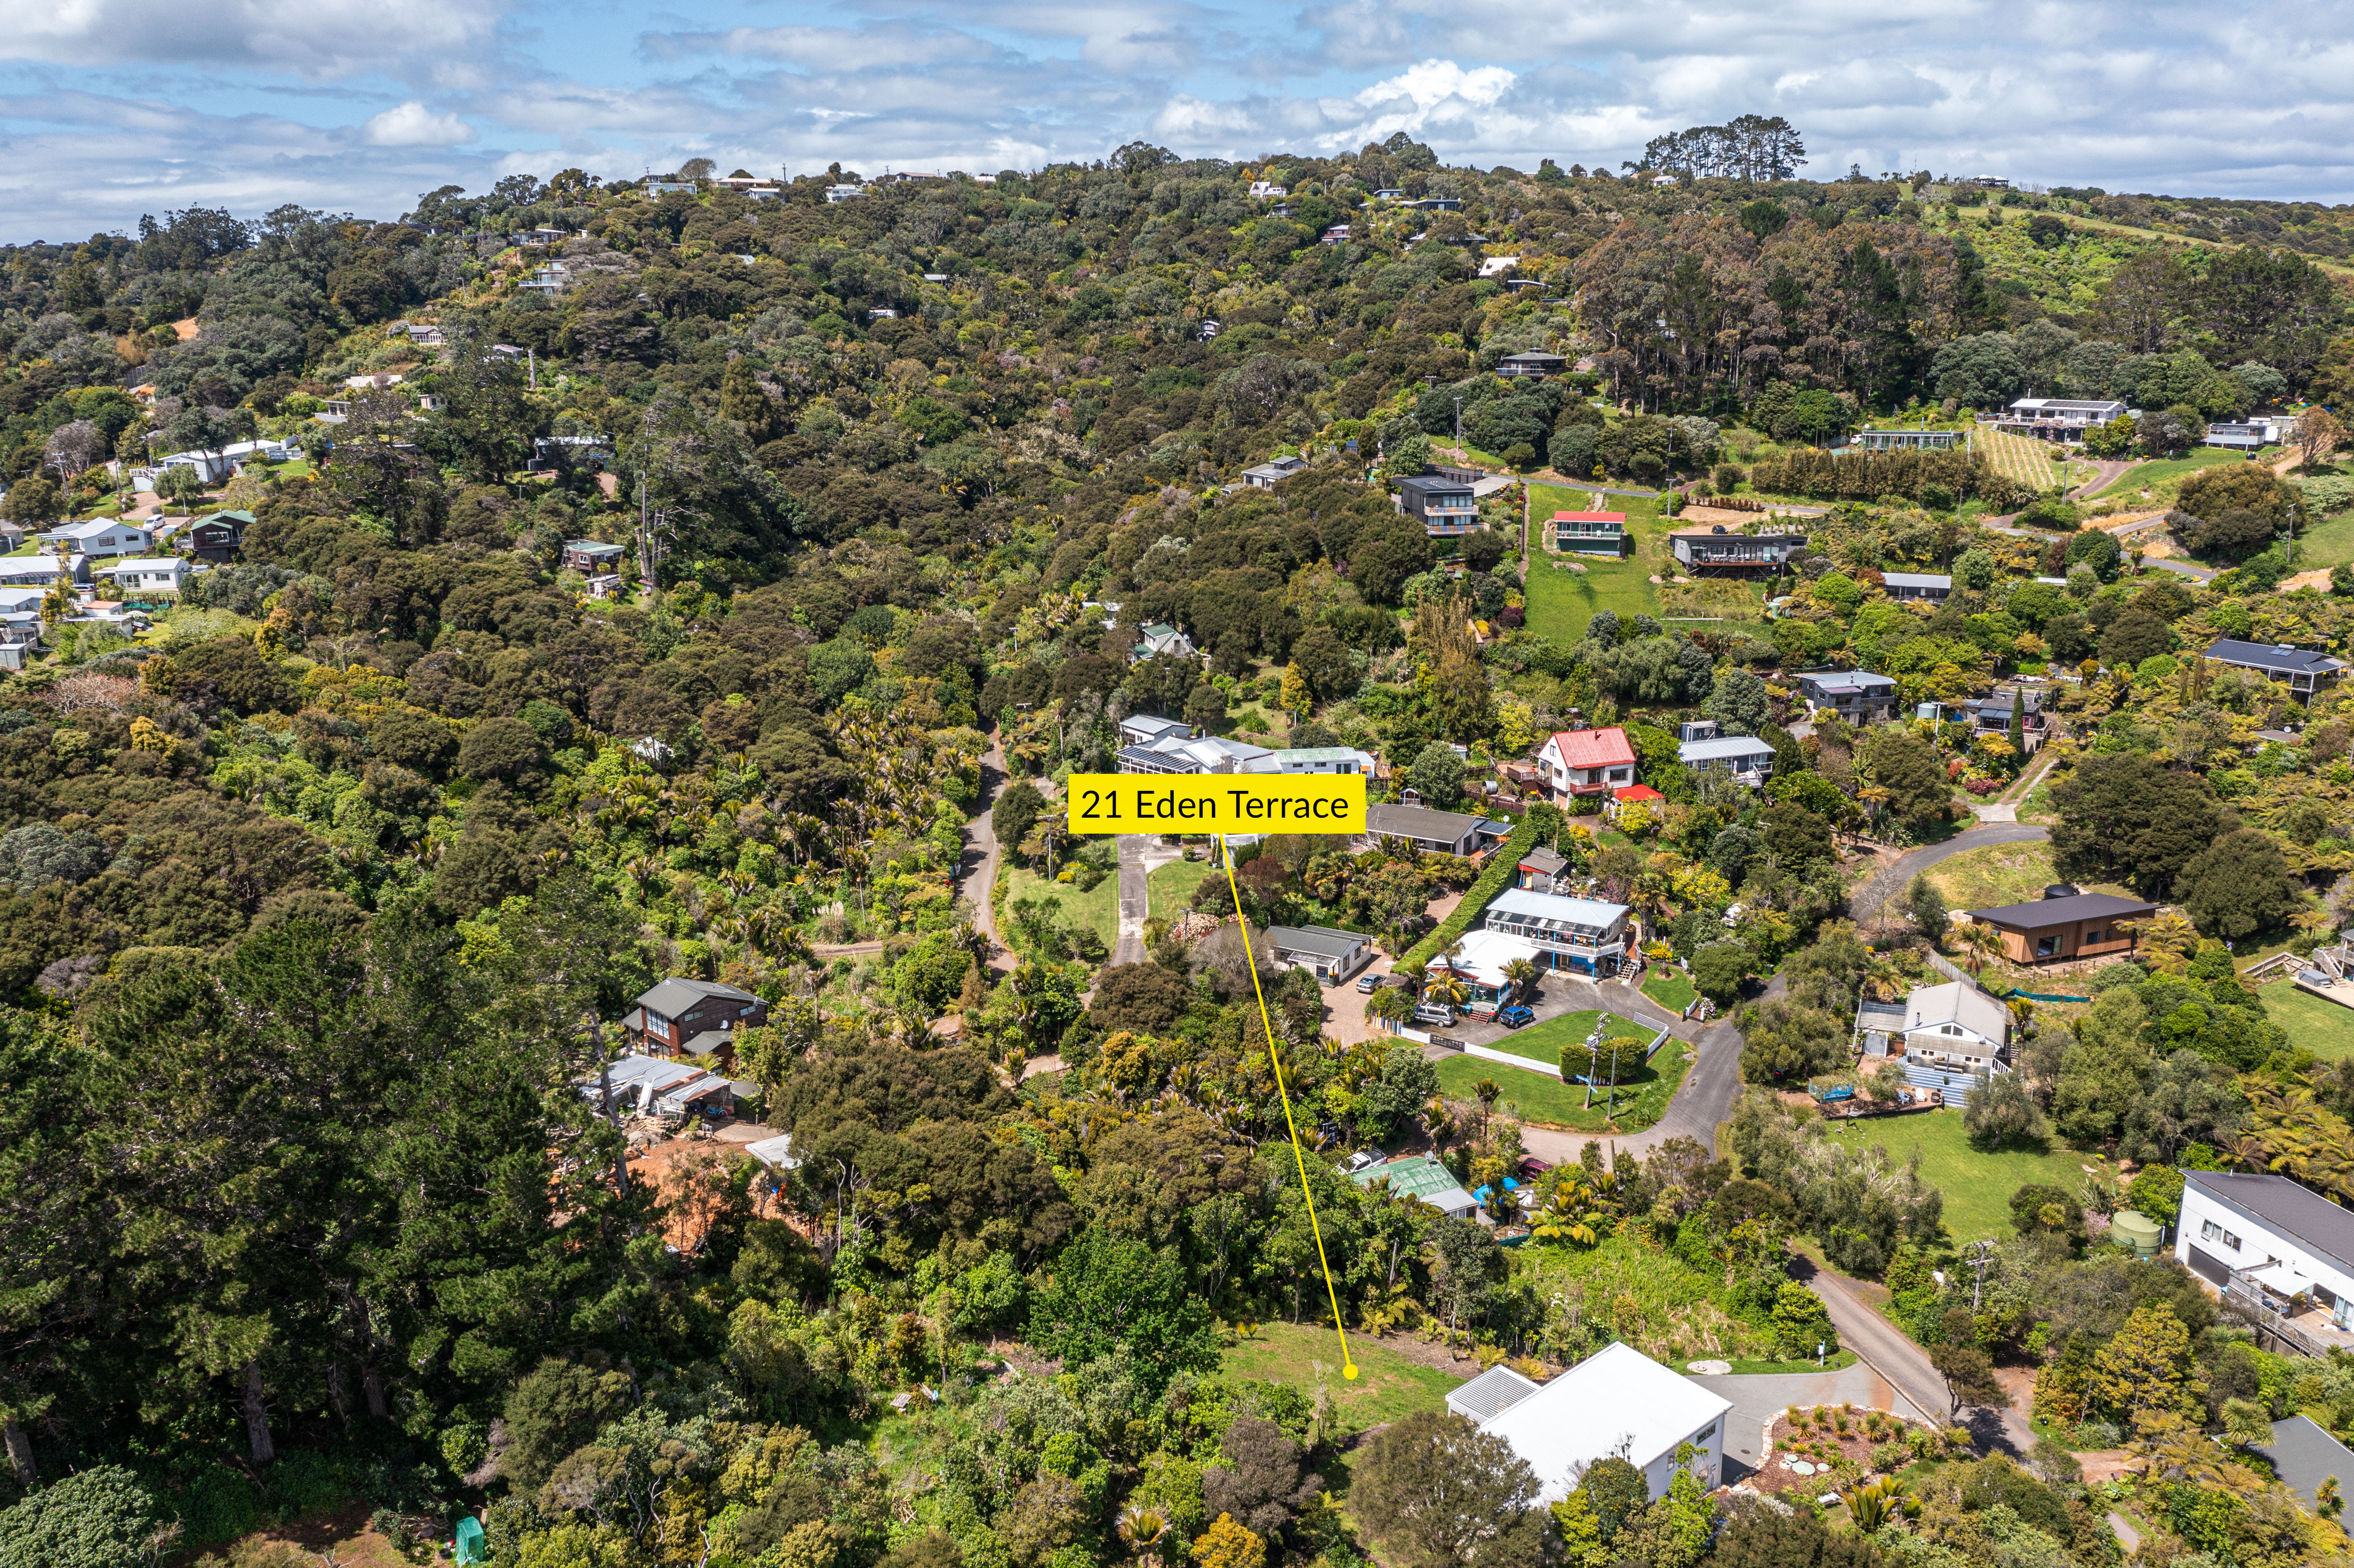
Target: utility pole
x,y
1981,1252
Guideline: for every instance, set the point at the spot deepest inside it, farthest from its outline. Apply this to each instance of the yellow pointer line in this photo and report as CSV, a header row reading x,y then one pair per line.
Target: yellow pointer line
x,y
1275,1058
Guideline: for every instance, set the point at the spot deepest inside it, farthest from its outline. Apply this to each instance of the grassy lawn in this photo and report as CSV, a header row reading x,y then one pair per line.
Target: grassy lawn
x,y
2321,1027
1977,1184
1840,1362
1999,875
1097,909
1546,1040
1541,1097
2327,543
1387,1387
2163,478
1560,601
1170,890
1670,990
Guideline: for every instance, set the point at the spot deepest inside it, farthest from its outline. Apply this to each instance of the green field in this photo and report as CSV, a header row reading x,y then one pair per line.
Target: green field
x,y
1546,1042
2327,543
2164,477
1977,1185
2000,874
1541,1097
1388,1387
1560,600
1670,990
2321,1027
1098,909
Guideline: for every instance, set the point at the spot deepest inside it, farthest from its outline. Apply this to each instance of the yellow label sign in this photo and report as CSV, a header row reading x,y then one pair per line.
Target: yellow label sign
x,y
1218,802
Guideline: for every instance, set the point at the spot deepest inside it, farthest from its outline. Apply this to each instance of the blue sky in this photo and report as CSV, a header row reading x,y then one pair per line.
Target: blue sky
x,y
112,108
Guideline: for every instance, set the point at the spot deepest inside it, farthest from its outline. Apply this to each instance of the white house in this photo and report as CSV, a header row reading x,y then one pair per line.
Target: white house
x,y
149,574
1616,1402
1956,1025
99,538
1581,934
1586,762
1749,760
2267,1240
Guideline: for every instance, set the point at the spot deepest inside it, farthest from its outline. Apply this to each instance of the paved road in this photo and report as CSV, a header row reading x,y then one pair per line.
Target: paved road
x,y
1866,900
1134,903
2182,568
977,866
1756,1401
1903,1363
1702,1100
2107,470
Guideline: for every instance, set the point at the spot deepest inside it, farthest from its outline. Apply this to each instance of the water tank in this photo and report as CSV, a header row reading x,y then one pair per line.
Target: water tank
x,y
2063,890
2137,1231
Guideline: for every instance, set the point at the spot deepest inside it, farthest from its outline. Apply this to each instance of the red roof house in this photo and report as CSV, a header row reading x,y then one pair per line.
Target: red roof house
x,y
1586,762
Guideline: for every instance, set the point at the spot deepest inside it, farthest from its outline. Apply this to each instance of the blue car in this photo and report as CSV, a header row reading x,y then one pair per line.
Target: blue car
x,y
1515,1016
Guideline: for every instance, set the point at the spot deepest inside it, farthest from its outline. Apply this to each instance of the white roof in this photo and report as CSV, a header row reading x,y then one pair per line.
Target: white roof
x,y
1917,579
1484,953
143,564
1732,745
1618,1398
1557,907
774,1152
1954,1003
90,530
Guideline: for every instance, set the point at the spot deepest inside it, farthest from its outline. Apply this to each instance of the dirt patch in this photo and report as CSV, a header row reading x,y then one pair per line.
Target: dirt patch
x,y
1430,1353
346,1536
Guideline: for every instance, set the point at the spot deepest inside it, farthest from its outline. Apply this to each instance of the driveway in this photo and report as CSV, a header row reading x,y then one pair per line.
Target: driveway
x,y
2191,569
1887,883
977,866
1904,1364
1134,900
1756,1401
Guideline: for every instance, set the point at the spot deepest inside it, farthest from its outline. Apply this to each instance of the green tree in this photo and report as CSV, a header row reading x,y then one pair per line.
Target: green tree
x,y
2238,887
1719,969
1738,703
1927,907
1785,1042
1905,768
1017,811
1968,1369
1437,775
1116,1294
1801,1321
2130,818
2145,1366
98,1518
2157,1191
1438,1492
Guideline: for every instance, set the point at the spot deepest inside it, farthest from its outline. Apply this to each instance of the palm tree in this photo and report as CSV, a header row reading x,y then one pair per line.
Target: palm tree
x,y
1486,1091
1142,1529
1983,941
1446,986
1521,975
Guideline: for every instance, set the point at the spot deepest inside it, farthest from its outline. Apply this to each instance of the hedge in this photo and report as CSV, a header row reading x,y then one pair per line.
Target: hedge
x,y
1493,881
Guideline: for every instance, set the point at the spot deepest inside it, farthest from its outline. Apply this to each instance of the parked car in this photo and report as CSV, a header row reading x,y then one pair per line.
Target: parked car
x,y
1363,1158
1370,983
1516,1016
1433,1013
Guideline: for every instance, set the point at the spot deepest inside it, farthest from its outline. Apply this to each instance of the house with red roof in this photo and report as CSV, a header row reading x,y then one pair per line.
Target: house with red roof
x,y
1586,762
1590,533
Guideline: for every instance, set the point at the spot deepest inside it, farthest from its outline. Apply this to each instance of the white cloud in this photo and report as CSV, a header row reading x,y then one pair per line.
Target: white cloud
x,y
314,39
414,126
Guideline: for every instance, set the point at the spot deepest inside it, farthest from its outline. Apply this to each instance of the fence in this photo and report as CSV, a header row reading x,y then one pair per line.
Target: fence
x,y
1938,963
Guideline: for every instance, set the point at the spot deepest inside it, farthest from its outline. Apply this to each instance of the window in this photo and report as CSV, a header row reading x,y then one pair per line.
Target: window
x,y
2048,947
2209,1231
2092,936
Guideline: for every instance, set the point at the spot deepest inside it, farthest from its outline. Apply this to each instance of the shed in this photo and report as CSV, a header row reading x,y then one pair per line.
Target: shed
x,y
775,1153
1419,1176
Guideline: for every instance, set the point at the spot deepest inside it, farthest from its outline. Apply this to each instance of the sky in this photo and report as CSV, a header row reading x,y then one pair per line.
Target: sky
x,y
110,108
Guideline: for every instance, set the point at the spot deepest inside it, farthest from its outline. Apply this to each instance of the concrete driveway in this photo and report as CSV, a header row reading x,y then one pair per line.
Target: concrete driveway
x,y
1756,1401
1894,1355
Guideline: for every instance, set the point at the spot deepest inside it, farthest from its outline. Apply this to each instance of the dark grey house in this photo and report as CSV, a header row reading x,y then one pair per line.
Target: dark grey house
x,y
2306,671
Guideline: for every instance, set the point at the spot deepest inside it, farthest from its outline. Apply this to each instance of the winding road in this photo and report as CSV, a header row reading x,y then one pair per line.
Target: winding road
x,y
1865,901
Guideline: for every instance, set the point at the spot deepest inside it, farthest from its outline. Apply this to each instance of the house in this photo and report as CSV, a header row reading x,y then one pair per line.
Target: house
x,y
1930,587
2072,926
2304,671
1541,870
549,279
1483,961
98,540
2265,430
1749,760
1715,548
217,537
657,188
1420,1176
1181,751
590,557
1957,1027
43,571
20,640
1328,954
1871,440
1269,474
1324,759
691,1017
1446,507
1160,638
2274,1246
2304,1455
1991,716
1531,365
1143,730
139,576
1433,833
836,194
1591,533
1336,235
2058,418
1389,195
1437,204
1490,1393
1858,696
1261,190
1618,1402
1576,762
1581,934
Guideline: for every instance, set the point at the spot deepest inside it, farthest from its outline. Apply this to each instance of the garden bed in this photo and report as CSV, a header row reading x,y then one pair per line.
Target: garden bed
x,y
1838,1444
